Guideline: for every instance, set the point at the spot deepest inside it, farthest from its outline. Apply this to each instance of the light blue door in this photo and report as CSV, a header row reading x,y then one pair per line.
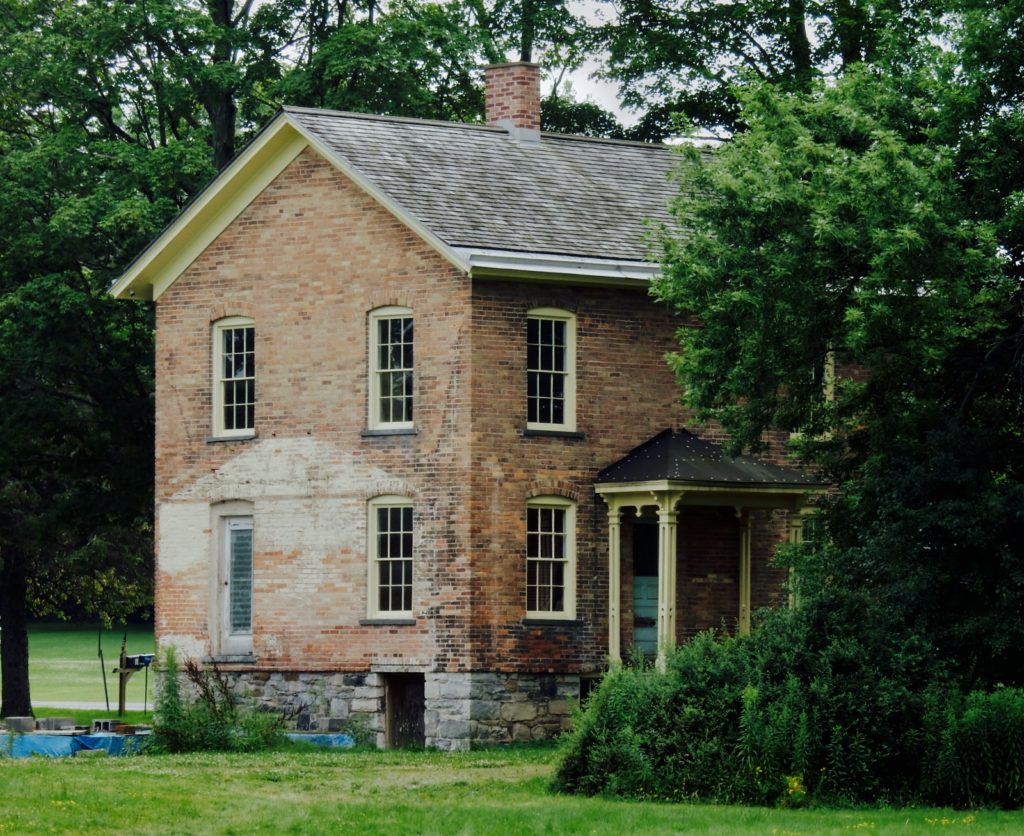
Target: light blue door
x,y
645,614
645,587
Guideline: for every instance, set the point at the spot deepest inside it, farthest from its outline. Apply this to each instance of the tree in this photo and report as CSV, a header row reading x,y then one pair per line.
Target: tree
x,y
869,220
685,57
414,59
99,147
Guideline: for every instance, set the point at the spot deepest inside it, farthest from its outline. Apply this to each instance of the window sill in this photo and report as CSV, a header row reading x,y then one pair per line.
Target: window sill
x,y
551,622
218,439
230,659
402,431
570,434
387,622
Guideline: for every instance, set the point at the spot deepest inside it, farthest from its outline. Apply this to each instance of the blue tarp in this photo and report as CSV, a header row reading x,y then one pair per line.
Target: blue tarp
x,y
326,741
64,745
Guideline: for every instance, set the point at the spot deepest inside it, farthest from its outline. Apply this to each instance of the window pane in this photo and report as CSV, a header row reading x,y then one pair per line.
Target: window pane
x,y
544,414
544,573
240,580
557,574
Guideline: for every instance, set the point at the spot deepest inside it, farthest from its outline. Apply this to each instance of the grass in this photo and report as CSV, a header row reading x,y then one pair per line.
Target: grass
x,y
495,791
64,666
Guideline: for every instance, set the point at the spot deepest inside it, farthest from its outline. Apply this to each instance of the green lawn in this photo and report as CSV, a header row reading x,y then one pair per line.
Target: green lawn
x,y
64,666
499,791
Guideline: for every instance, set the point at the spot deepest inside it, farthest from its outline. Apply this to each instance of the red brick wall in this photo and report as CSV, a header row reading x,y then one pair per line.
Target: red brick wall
x,y
513,94
307,261
625,394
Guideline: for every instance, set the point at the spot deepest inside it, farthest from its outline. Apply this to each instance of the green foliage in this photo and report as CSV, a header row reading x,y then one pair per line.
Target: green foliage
x,y
563,114
414,59
800,709
688,57
862,221
213,721
978,758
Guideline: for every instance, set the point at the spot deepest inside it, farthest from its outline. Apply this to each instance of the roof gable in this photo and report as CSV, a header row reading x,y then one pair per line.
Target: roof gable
x,y
488,202
478,187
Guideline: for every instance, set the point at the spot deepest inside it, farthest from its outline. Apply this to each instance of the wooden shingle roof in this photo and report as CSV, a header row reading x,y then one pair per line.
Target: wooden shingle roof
x,y
481,187
679,456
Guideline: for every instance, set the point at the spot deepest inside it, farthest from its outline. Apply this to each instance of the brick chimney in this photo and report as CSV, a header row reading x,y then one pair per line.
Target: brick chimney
x,y
512,95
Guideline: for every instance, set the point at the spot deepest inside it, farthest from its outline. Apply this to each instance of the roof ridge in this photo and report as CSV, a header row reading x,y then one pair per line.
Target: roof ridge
x,y
442,123
376,117
606,140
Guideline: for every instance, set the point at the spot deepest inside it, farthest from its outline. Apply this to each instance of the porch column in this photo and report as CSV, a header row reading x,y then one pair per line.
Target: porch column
x,y
667,532
744,614
614,585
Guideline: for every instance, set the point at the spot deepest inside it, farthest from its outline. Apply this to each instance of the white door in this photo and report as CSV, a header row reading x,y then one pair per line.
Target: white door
x,y
236,589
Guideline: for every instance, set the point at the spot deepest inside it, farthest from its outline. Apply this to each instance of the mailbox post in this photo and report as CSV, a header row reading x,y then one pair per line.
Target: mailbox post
x,y
128,665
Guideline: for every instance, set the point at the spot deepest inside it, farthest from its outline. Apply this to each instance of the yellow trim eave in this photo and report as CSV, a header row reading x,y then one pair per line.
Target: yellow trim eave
x,y
245,177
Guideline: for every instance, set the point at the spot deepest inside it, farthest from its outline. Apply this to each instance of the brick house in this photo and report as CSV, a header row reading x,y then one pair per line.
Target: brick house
x,y
413,465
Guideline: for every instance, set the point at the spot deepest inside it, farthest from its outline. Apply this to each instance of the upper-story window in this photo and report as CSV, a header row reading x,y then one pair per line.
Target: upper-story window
x,y
550,558
234,377
391,368
390,549
550,370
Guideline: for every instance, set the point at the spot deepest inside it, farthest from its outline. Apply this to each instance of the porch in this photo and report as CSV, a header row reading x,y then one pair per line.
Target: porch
x,y
690,534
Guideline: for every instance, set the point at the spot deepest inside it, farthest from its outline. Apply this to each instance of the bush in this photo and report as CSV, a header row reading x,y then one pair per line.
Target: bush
x,y
979,752
214,721
804,708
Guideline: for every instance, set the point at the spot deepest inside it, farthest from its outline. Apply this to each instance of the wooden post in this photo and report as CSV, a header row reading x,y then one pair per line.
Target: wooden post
x,y
614,584
667,527
744,585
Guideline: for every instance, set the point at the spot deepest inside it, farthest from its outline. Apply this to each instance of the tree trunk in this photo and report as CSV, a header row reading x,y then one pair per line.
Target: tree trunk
x,y
14,637
220,96
528,32
222,111
849,26
799,45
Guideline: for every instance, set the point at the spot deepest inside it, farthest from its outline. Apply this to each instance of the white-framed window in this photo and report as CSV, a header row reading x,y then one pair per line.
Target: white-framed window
x,y
234,377
235,578
391,368
550,370
390,547
550,558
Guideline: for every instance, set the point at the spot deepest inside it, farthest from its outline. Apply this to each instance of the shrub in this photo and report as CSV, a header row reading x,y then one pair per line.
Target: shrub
x,y
824,703
213,721
978,758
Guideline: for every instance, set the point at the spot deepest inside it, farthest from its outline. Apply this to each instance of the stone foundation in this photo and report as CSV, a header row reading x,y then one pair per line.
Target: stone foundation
x,y
461,710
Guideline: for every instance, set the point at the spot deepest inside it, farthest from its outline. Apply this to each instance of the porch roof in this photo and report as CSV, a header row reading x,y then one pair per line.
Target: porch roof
x,y
682,459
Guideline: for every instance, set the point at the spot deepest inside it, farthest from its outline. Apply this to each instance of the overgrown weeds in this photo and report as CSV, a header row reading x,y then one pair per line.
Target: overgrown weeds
x,y
213,720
